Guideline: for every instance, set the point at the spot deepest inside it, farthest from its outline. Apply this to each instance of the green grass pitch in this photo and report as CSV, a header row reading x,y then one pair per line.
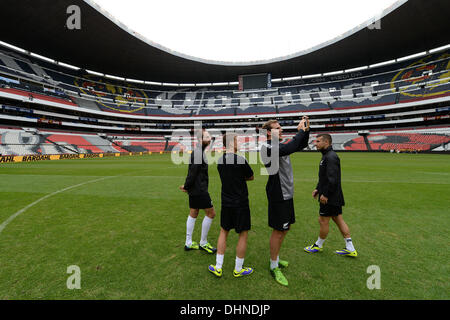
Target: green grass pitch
x,y
126,232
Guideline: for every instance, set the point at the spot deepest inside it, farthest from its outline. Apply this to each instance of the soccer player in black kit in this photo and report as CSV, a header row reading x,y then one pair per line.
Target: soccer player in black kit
x,y
331,198
280,187
196,185
234,173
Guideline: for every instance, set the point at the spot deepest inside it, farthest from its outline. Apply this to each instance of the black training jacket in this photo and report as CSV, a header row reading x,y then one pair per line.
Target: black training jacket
x,y
330,178
196,182
280,185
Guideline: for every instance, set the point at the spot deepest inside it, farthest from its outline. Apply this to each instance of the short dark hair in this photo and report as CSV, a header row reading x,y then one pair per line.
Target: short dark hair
x,y
326,136
227,138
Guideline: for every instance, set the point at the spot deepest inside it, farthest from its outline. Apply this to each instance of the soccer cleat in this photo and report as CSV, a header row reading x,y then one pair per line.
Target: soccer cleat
x,y
279,277
215,271
313,249
208,248
283,263
346,252
193,246
245,271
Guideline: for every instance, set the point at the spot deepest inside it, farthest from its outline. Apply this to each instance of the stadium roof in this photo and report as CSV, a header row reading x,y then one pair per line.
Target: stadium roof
x,y
104,45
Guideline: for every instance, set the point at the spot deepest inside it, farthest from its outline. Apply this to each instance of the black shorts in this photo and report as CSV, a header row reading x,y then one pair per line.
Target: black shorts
x,y
200,202
281,214
237,218
329,210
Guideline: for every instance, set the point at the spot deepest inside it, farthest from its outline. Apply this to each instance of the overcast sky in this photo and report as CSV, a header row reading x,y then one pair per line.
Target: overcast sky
x,y
242,30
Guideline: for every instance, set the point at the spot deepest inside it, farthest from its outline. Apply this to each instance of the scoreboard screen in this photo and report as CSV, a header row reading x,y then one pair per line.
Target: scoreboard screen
x,y
255,81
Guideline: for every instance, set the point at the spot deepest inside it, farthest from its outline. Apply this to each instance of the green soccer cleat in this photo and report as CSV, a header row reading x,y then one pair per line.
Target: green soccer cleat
x,y
283,263
347,253
208,248
213,269
279,277
313,249
193,246
245,271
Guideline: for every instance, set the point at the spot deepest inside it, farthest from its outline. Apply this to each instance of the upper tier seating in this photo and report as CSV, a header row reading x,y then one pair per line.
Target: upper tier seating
x,y
420,78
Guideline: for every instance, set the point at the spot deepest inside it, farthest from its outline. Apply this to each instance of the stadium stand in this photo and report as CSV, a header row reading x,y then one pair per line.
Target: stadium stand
x,y
405,81
20,142
399,142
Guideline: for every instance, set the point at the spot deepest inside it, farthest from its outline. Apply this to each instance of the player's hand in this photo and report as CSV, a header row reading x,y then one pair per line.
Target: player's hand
x,y
182,188
306,122
315,193
302,125
323,199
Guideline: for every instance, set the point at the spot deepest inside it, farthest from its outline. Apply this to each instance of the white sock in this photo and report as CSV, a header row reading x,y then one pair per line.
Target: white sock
x,y
349,244
273,264
239,263
190,224
206,224
320,242
219,260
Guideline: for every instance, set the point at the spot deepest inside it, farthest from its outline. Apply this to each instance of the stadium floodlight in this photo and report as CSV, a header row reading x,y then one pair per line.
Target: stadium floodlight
x,y
412,56
440,48
114,77
135,81
292,78
356,69
154,83
42,57
333,73
66,65
12,47
312,76
95,73
382,63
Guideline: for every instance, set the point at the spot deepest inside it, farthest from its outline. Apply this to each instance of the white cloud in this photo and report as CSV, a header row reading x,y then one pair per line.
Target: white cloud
x,y
242,30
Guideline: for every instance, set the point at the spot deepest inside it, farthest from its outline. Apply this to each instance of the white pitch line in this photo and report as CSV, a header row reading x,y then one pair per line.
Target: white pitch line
x,y
15,215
